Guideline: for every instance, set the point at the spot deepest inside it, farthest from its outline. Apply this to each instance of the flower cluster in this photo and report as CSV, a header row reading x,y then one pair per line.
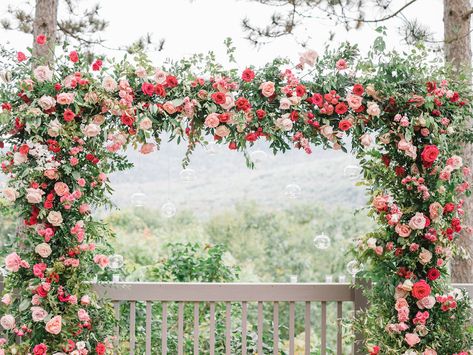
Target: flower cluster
x,y
65,127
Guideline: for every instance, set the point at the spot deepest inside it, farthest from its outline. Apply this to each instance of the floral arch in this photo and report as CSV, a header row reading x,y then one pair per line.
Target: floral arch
x,y
65,129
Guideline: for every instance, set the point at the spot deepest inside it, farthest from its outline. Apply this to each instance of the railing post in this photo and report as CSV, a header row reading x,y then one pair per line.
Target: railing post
x,y
360,304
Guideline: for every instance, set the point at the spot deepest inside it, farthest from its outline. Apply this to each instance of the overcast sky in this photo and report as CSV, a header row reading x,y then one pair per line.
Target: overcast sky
x,y
202,25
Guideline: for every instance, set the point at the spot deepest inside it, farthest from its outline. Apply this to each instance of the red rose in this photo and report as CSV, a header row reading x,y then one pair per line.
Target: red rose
x,y
251,137
421,289
40,291
127,120
344,125
455,97
433,274
386,160
224,117
430,153
431,86
260,114
48,205
24,149
341,108
160,91
6,106
300,90
57,86
41,39
232,146
219,98
100,349
148,89
358,89
242,104
294,116
248,75
317,99
171,81
20,56
74,57
69,115
40,349
97,65
400,171
449,207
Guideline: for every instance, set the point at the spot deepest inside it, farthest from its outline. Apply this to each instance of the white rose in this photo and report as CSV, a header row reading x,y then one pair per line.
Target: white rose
x,y
34,195
146,123
80,345
19,158
109,84
43,249
10,194
160,76
54,128
284,103
43,73
7,322
46,102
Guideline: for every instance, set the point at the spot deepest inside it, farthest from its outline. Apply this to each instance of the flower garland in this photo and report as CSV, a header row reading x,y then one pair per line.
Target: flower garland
x,y
64,131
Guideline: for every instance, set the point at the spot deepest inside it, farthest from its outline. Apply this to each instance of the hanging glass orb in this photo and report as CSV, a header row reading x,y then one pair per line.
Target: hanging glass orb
x,y
168,210
293,191
115,262
258,157
322,242
211,148
354,267
353,172
138,199
187,175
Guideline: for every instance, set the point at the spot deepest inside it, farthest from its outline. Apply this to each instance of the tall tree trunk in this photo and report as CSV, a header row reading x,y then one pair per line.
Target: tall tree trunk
x,y
45,22
458,52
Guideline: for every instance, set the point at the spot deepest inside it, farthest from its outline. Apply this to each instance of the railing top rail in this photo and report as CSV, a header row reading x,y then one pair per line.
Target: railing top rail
x,y
226,292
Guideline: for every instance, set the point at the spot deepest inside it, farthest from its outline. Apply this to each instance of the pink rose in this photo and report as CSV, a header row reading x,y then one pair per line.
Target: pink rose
x,y
418,221
160,76
85,300
84,208
435,211
38,314
222,131
354,101
6,299
426,302
8,322
43,249
146,124
425,256
65,98
212,120
101,260
54,325
109,84
147,148
46,102
55,218
366,139
91,130
229,102
51,174
10,194
34,195
13,262
341,64
43,73
412,339
403,314
401,303
61,188
284,103
267,88
140,72
83,315
403,230
308,57
429,352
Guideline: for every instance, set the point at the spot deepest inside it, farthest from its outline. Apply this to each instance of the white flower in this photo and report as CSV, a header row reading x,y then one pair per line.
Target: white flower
x,y
19,158
109,84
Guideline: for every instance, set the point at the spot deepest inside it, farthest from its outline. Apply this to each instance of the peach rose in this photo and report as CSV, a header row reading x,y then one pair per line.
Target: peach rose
x,y
429,352
401,303
43,73
418,221
425,256
435,211
146,123
54,325
229,102
169,107
403,230
61,188
267,88
222,131
65,98
34,195
147,148
8,322
51,174
212,120
412,339
46,102
366,140
327,131
55,218
91,130
373,109
43,249
91,98
38,314
98,119
13,262
140,72
10,194
354,101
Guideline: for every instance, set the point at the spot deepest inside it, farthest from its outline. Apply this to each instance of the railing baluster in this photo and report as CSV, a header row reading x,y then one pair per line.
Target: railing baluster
x,y
180,328
212,328
292,311
307,328
339,328
196,328
164,330
116,341
132,326
276,328
148,327
323,337
260,327
228,328
244,310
